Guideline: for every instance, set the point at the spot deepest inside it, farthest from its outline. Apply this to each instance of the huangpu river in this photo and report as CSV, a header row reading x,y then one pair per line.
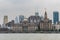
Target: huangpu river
x,y
29,36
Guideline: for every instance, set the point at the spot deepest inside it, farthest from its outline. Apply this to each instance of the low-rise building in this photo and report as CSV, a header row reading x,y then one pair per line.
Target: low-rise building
x,y
29,27
25,26
57,26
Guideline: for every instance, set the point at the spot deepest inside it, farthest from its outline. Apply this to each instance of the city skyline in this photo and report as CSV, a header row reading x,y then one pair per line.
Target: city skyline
x,y
35,14
13,8
19,18
32,24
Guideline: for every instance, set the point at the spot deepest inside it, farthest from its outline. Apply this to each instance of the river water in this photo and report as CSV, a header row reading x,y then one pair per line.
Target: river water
x,y
29,36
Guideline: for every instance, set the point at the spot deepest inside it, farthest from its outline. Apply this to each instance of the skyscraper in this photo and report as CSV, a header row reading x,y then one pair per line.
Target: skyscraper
x,y
5,19
36,14
55,17
21,18
17,19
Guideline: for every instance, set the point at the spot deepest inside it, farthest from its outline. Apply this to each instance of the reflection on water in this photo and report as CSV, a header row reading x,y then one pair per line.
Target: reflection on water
x,y
30,36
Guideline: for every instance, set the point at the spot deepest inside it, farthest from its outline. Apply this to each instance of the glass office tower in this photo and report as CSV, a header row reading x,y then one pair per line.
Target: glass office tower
x,y
55,17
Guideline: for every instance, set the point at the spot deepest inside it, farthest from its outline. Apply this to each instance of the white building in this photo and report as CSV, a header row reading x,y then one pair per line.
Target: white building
x,y
16,20
57,26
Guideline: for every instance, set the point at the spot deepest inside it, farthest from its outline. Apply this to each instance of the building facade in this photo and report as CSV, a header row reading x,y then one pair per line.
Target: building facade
x,y
57,26
17,19
36,14
29,27
21,18
55,17
25,26
46,24
5,19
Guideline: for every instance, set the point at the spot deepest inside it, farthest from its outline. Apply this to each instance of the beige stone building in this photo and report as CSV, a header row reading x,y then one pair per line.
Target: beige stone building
x,y
45,24
16,28
25,26
28,27
57,26
5,19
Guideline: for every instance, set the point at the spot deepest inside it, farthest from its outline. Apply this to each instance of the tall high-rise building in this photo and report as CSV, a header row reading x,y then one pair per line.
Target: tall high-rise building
x,y
36,14
17,19
42,18
55,17
5,19
21,18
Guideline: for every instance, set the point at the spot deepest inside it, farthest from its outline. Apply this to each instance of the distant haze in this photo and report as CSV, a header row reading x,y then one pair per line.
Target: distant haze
x,y
13,8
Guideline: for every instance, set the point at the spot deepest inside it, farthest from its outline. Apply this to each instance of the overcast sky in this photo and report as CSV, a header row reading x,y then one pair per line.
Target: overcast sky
x,y
13,8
